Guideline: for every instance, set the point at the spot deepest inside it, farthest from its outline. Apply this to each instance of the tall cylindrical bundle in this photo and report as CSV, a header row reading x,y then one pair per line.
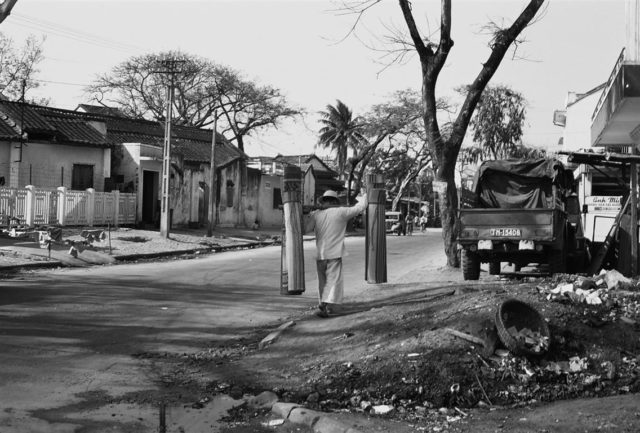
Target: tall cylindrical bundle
x,y
292,249
372,180
376,261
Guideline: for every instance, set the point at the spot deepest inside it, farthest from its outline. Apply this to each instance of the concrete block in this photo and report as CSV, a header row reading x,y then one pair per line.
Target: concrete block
x,y
329,425
301,415
264,400
283,410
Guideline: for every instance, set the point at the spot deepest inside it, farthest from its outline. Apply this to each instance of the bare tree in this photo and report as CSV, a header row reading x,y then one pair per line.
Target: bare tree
x,y
138,88
433,55
400,116
18,65
5,8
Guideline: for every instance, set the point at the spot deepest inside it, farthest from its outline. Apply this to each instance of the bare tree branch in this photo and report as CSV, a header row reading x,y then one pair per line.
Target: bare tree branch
x,y
5,8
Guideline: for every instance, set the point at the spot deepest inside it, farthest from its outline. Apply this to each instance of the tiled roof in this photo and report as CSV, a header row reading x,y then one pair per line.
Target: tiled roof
x,y
294,159
77,130
31,120
67,126
191,150
304,161
8,129
97,109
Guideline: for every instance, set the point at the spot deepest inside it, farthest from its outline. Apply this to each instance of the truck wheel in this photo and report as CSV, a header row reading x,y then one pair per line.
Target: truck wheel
x,y
557,261
494,268
470,265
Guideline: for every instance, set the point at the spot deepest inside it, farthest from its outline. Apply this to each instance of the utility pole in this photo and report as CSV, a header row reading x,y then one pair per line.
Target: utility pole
x,y
212,178
170,67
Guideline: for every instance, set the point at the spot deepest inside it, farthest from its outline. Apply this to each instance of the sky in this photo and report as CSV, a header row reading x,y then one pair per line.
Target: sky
x,y
306,49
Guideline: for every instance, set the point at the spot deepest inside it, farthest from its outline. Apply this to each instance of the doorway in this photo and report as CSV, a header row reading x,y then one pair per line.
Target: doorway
x,y
150,207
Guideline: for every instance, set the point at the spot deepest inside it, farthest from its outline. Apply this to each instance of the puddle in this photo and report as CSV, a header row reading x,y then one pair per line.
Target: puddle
x,y
169,419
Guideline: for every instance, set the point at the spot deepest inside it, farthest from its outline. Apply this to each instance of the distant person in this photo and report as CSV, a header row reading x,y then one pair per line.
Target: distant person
x,y
403,226
409,223
329,225
256,225
424,220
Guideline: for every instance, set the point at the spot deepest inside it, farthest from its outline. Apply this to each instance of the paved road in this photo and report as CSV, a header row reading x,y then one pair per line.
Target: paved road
x,y
67,336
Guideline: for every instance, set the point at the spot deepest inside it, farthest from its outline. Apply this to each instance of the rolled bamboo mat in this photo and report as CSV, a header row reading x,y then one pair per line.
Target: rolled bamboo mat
x,y
376,253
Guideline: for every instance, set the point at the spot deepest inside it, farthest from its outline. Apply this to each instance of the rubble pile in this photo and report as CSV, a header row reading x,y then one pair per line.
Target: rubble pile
x,y
531,340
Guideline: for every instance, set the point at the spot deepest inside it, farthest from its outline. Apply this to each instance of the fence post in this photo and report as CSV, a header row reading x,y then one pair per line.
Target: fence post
x,y
91,206
116,208
30,208
62,205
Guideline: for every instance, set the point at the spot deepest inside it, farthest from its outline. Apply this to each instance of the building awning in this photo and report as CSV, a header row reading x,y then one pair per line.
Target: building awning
x,y
617,113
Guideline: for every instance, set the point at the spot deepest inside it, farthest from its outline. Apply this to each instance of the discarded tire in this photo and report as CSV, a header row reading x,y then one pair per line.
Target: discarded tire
x,y
520,315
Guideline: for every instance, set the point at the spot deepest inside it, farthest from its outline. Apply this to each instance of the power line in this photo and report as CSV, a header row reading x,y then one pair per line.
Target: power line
x,y
67,32
59,82
71,30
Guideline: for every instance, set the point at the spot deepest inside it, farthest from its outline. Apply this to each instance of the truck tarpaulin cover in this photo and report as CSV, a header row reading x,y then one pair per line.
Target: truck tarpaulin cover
x,y
509,184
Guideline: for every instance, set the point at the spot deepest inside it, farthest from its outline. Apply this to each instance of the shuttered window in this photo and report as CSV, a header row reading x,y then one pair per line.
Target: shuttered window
x,y
82,177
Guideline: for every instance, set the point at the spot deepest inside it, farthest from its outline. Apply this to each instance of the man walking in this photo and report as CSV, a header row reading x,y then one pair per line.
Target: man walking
x,y
329,225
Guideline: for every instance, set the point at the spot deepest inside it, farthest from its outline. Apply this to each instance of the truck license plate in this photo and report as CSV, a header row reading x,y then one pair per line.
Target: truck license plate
x,y
505,232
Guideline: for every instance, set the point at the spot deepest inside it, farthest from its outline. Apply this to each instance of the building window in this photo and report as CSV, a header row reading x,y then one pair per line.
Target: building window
x,y
82,177
277,198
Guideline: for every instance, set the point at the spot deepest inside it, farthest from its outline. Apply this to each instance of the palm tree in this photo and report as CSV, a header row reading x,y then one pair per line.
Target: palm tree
x,y
340,132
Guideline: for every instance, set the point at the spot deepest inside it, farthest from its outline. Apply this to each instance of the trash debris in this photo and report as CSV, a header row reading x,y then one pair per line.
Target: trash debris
x,y
343,336
533,341
577,364
464,336
503,353
615,280
580,291
382,409
273,423
627,320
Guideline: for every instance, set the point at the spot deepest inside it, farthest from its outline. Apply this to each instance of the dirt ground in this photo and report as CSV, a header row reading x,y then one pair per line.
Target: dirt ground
x,y
396,352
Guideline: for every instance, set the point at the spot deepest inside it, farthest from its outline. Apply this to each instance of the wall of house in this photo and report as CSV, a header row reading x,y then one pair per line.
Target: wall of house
x,y
228,193
51,166
252,204
186,193
577,131
5,162
268,215
309,188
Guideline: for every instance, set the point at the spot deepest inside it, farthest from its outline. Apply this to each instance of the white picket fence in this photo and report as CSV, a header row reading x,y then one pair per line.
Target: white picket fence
x,y
60,206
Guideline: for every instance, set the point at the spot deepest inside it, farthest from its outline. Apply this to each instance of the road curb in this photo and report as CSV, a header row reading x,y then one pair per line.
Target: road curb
x,y
43,264
34,265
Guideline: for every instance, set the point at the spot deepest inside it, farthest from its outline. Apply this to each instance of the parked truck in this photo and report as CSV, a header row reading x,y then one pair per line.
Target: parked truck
x,y
525,212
